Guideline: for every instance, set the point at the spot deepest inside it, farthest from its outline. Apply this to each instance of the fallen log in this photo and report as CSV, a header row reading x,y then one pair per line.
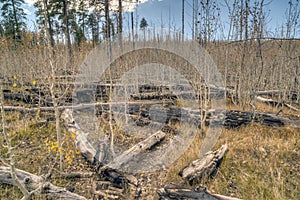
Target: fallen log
x,y
140,147
226,118
259,98
153,95
101,107
90,153
269,92
236,118
205,167
26,98
37,185
178,192
79,175
93,156
231,118
32,97
82,144
275,103
96,157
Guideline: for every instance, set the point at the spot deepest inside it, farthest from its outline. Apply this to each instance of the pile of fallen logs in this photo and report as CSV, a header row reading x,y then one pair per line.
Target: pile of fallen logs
x,y
114,184
151,96
141,110
197,170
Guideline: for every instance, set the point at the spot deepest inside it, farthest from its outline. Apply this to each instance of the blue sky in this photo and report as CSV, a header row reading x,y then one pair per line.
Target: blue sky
x,y
168,13
155,10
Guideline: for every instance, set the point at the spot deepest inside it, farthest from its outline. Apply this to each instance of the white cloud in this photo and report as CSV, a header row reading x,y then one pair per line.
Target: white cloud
x,y
128,6
30,2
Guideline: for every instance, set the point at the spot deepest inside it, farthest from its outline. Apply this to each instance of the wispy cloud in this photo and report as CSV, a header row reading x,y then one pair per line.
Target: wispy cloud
x,y
30,2
128,5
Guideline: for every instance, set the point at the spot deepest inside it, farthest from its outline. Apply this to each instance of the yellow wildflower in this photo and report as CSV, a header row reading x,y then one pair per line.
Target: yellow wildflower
x,y
54,146
73,135
69,159
60,150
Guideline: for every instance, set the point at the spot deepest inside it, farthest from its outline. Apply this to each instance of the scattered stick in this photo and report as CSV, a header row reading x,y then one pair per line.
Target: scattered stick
x,y
109,192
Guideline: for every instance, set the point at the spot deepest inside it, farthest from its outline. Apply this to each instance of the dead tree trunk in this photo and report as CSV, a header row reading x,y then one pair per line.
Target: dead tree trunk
x,y
37,185
80,139
146,144
204,167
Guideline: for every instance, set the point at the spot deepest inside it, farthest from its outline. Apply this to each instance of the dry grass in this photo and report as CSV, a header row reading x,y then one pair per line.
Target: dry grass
x,y
262,163
36,153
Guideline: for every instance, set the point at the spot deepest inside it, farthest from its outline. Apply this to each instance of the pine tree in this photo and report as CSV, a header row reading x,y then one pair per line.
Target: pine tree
x,y
93,24
94,19
144,23
13,18
82,12
45,9
64,15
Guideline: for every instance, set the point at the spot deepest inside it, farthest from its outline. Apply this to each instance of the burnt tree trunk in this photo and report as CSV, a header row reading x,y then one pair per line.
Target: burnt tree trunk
x,y
37,185
205,167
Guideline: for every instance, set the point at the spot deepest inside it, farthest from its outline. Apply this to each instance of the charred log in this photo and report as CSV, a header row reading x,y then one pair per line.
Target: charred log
x,y
178,192
205,167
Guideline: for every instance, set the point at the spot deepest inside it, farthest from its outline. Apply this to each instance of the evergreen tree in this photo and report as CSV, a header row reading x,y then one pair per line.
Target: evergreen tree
x,y
46,9
58,15
144,23
93,24
13,18
78,15
94,19
82,12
